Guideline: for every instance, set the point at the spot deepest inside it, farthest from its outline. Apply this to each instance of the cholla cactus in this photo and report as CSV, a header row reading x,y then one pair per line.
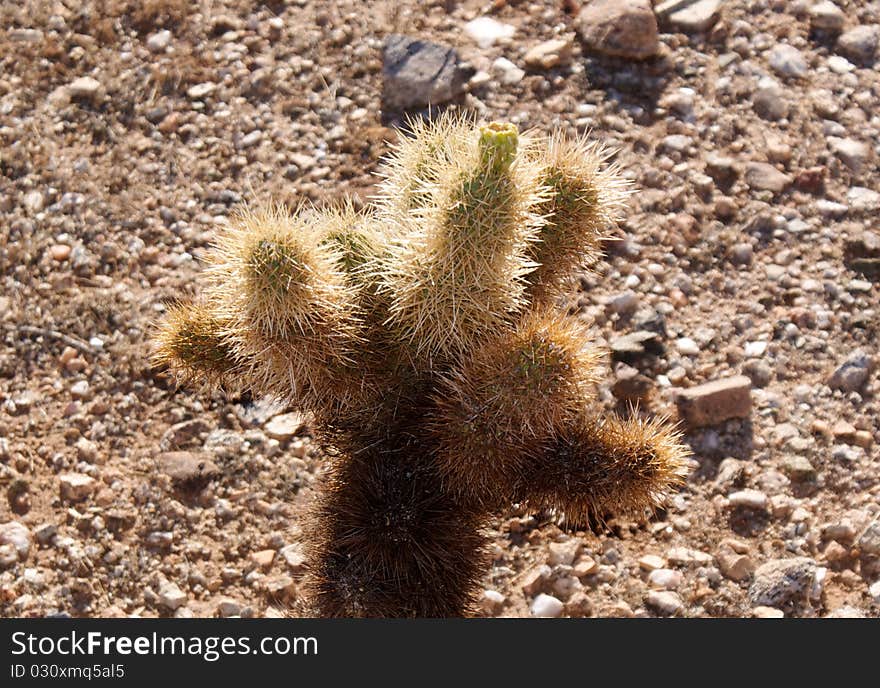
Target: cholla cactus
x,y
425,338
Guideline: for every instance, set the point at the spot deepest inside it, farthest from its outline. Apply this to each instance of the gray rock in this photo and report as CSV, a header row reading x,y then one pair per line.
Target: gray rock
x,y
827,16
853,374
159,41
863,200
696,15
769,100
798,468
783,582
869,540
763,176
418,73
860,44
622,28
786,60
854,154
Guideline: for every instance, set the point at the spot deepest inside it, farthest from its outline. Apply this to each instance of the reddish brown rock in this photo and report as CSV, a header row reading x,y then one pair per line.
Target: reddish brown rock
x,y
716,401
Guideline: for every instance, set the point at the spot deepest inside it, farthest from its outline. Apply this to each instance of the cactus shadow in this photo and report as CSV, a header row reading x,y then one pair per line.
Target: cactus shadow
x,y
635,87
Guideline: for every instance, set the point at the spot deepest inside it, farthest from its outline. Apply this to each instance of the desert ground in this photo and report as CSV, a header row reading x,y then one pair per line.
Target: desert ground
x,y
748,257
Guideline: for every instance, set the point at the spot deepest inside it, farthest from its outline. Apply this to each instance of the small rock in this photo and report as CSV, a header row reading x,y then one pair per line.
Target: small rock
x,y
748,499
684,556
630,384
763,612
536,580
76,487
17,536
188,468
854,154
549,54
294,557
286,426
418,73
585,566
171,596
769,100
787,60
664,602
700,15
874,592
798,468
665,579
159,41
869,540
853,374
492,602
45,533
507,72
201,91
485,31
860,44
843,431
79,390
579,606
547,607
228,607
564,552
623,28
263,558
651,562
733,565
8,557
687,347
279,588
86,88
714,402
762,176
826,16
782,582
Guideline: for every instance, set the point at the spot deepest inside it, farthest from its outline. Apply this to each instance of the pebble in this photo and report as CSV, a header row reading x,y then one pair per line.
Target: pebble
x,y
201,91
854,154
665,579
17,536
749,499
547,607
874,592
651,562
286,426
623,28
492,601
664,602
76,487
171,596
549,54
687,346
564,553
755,349
294,557
187,468
769,100
699,15
852,375
781,582
59,252
85,87
417,73
579,606
158,42
827,16
264,558
733,565
798,468
8,557
869,540
763,612
787,60
762,176
714,402
508,73
485,31
860,43
227,607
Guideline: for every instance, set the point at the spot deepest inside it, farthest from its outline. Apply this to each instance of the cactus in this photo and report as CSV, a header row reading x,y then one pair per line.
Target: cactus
x,y
425,336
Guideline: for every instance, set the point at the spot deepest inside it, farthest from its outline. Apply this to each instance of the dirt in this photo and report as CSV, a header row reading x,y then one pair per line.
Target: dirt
x,y
110,194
